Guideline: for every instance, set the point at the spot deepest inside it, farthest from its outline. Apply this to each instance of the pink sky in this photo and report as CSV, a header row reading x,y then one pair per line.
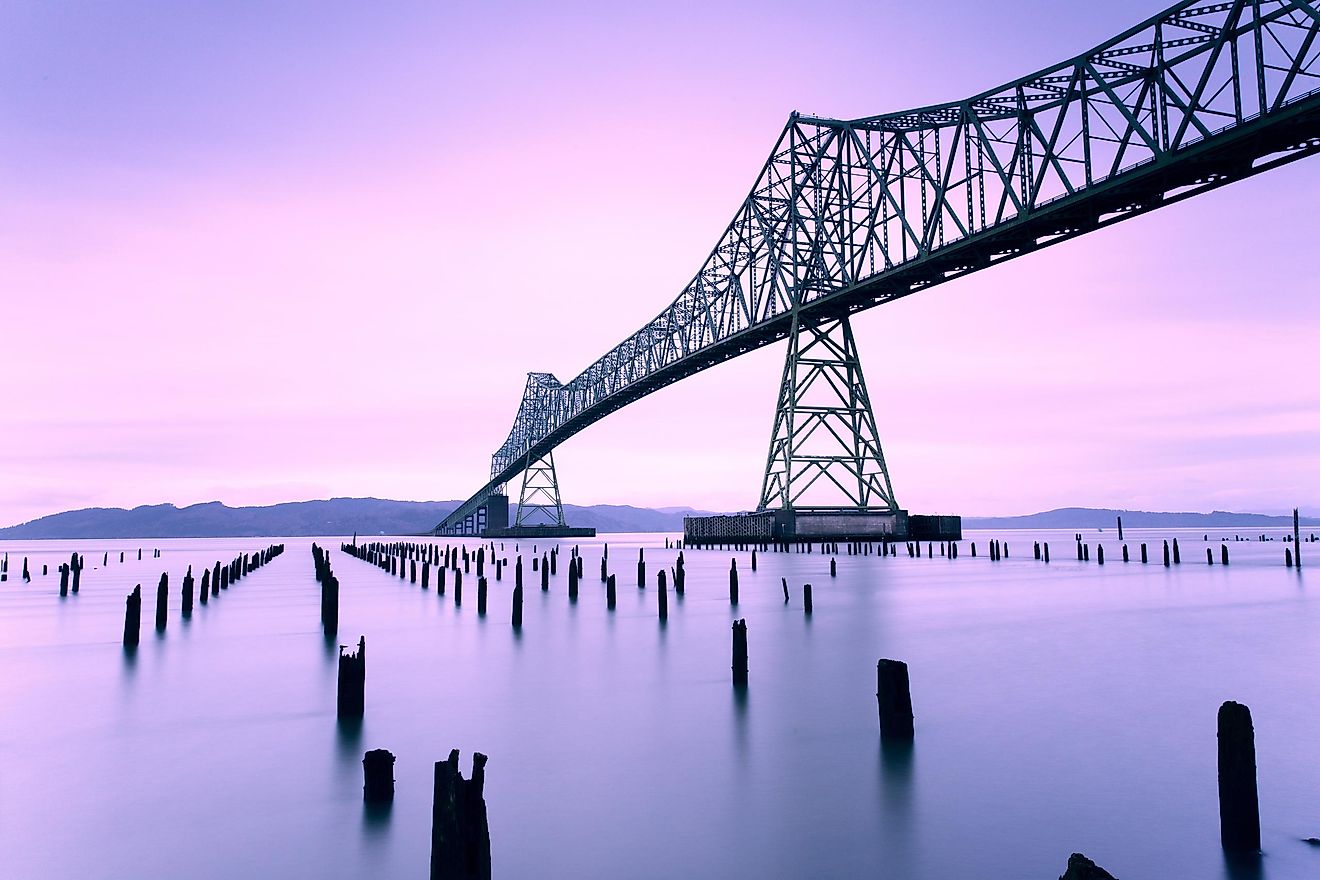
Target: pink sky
x,y
262,256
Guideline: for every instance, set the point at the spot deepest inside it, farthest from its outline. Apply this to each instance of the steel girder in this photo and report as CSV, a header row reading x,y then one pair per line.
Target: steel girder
x,y
847,215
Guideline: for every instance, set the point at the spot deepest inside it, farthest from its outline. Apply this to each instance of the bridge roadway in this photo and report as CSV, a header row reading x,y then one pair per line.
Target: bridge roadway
x,y
848,215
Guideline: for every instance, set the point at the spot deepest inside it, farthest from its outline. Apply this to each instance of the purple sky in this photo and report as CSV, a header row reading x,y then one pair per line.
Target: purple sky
x,y
258,255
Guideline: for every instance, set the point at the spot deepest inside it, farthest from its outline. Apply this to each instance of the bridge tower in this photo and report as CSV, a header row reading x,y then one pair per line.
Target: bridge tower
x,y
825,457
538,502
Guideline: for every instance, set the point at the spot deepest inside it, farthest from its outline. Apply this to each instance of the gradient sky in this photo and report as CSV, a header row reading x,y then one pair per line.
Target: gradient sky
x,y
265,252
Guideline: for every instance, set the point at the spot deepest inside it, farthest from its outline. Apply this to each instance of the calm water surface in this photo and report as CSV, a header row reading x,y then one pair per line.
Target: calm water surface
x,y
1060,708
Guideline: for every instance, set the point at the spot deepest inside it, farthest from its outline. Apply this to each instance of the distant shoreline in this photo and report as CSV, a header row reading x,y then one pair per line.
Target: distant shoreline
x,y
375,517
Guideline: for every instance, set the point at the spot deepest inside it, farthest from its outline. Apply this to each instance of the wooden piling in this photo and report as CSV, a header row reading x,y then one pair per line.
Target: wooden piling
x,y
378,776
351,696
834,569
740,653
894,697
481,595
132,617
610,596
162,602
1239,807
1223,554
517,606
1297,538
458,588
663,599
641,567
545,573
806,598
733,582
460,833
1177,557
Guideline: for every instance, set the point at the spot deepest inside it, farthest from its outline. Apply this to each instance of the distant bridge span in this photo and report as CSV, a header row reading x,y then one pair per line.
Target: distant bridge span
x,y
847,215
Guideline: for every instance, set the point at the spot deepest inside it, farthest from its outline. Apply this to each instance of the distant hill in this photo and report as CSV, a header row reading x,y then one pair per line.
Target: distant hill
x,y
1101,518
336,516
375,516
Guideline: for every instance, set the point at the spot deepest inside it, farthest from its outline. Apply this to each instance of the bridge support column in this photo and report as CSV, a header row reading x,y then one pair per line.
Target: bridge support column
x,y
825,450
538,502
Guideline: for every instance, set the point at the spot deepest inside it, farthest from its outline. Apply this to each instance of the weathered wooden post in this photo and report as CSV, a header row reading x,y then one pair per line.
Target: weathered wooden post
x,y
133,617
740,653
680,577
188,594
641,567
1223,554
1297,538
378,776
1046,548
664,594
64,578
330,604
1239,808
351,697
1166,552
440,574
834,571
1177,557
545,573
1120,528
783,583
894,696
753,559
458,588
604,569
162,602
517,572
733,582
481,595
1100,554
426,574
806,598
460,833
609,593
517,606
572,581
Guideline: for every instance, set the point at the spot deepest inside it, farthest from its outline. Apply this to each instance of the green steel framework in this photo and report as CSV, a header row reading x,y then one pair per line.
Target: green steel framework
x,y
849,214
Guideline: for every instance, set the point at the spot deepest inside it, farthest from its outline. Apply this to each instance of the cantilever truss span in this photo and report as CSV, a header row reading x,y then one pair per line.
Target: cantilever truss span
x,y
847,215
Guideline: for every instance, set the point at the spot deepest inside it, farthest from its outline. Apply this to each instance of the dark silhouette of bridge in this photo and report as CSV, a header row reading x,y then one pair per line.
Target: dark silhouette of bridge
x,y
850,214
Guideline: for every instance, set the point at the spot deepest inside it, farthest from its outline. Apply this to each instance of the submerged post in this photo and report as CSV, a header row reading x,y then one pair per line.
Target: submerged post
x,y
351,700
517,606
894,696
133,617
740,653
378,776
162,602
460,833
1239,808
733,582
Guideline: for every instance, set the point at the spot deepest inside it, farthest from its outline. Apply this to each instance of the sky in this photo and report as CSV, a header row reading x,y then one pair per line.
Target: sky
x,y
270,252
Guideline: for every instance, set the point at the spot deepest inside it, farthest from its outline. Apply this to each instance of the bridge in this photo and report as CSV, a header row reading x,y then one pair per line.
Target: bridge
x,y
846,215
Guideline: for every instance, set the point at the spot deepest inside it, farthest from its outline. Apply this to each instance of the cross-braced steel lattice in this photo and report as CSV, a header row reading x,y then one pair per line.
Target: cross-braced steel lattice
x,y
846,215
825,449
538,502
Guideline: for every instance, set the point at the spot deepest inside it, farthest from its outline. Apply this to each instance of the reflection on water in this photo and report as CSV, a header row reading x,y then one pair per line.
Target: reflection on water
x,y
1060,708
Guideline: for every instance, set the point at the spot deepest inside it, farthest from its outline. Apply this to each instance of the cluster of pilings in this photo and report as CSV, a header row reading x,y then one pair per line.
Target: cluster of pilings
x,y
329,591
211,585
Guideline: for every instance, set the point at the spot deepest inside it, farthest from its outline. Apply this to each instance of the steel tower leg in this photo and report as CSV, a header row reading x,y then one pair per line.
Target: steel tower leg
x,y
825,450
538,502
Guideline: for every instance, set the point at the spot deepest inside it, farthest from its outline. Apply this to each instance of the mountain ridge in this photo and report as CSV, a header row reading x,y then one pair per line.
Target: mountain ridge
x,y
381,516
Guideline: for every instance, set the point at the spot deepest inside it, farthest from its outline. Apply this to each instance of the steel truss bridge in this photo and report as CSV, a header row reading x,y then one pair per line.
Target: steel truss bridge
x,y
850,214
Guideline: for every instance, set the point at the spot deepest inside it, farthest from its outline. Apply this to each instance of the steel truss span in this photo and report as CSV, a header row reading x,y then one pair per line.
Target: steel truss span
x,y
847,215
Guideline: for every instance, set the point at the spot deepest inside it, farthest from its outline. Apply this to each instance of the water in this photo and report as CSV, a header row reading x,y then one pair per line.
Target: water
x,y
1059,708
